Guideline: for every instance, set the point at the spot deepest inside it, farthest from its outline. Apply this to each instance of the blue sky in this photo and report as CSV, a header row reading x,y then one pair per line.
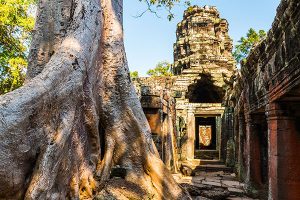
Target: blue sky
x,y
149,39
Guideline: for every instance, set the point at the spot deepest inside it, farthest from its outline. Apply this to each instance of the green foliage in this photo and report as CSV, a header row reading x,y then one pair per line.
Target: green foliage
x,y
134,75
161,69
242,50
16,23
190,9
167,4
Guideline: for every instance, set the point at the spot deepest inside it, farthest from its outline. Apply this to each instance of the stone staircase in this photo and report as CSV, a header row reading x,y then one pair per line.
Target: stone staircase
x,y
207,154
197,166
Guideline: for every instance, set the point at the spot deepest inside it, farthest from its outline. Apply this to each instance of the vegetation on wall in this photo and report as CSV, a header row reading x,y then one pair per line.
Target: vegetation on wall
x,y
134,75
245,44
16,23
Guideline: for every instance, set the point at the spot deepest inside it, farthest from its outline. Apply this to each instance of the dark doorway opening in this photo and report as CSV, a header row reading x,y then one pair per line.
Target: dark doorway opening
x,y
205,133
204,90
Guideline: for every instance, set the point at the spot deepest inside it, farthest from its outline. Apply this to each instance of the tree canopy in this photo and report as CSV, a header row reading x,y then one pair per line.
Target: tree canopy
x,y
252,38
16,24
161,69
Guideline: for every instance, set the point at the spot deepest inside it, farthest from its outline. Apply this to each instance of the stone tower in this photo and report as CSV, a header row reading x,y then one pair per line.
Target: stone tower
x,y
203,46
203,62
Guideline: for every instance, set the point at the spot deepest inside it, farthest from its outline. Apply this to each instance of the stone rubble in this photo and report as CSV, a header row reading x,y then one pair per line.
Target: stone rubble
x,y
213,185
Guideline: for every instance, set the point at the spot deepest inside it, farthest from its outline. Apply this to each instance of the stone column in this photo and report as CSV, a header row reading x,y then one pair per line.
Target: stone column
x,y
284,153
230,146
236,138
167,156
190,134
218,134
173,131
241,148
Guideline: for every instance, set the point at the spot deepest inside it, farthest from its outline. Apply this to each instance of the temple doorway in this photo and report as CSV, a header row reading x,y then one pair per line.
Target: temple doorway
x,y
206,137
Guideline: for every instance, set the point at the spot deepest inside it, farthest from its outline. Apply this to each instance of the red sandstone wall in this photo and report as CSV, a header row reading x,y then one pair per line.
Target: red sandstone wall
x,y
269,85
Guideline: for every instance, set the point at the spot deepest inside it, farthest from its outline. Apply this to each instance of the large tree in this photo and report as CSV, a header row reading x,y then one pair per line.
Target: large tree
x,y
77,114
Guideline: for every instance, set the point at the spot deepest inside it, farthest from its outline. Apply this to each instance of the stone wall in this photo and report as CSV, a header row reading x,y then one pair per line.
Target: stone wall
x,y
159,107
266,101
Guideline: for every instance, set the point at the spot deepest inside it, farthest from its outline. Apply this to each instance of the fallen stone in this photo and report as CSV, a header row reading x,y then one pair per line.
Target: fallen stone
x,y
204,187
239,198
195,190
198,178
231,183
218,177
228,177
197,181
236,191
216,194
212,183
214,179
201,198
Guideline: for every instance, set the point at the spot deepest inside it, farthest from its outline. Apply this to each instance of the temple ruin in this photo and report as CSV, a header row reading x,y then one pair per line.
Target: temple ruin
x,y
202,63
242,120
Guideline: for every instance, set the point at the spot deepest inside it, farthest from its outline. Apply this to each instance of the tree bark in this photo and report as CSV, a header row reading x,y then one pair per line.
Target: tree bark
x,y
78,100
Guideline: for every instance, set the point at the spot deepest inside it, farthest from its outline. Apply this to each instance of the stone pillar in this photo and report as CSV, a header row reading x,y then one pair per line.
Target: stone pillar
x,y
230,146
284,151
241,148
190,147
218,134
236,138
173,130
167,156
253,171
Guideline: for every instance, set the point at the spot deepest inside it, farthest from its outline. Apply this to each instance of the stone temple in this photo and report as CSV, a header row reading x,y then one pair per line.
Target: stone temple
x,y
212,116
202,64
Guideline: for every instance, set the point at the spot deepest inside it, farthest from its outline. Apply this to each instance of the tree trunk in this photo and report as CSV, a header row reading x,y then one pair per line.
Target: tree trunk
x,y
78,114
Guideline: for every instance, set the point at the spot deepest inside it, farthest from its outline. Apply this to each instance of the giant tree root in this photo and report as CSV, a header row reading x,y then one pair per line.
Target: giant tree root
x,y
128,137
142,167
118,188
